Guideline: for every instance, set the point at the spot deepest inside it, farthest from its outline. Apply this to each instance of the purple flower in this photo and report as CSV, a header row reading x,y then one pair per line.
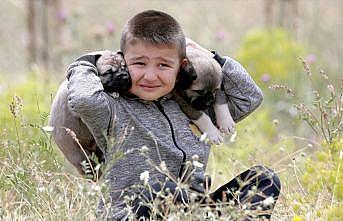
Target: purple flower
x,y
311,58
220,35
62,15
110,28
265,78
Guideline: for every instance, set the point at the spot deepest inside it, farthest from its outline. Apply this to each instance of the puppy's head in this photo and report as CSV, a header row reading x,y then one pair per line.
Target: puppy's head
x,y
201,93
116,77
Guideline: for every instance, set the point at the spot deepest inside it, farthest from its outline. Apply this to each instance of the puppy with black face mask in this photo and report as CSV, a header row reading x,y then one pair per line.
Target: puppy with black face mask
x,y
114,76
198,90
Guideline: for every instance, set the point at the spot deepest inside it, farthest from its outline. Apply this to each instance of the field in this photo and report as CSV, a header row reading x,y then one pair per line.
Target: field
x,y
297,131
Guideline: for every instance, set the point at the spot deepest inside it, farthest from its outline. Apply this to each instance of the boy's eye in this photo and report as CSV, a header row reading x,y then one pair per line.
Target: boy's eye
x,y
139,63
164,65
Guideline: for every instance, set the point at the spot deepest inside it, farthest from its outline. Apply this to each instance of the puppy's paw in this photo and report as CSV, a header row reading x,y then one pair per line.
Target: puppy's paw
x,y
206,126
226,125
224,119
214,136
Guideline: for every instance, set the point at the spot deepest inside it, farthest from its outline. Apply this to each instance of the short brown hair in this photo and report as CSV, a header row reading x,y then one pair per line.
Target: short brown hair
x,y
155,27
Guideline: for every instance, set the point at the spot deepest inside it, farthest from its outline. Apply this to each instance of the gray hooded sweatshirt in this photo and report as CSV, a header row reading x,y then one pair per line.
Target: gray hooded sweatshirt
x,y
126,124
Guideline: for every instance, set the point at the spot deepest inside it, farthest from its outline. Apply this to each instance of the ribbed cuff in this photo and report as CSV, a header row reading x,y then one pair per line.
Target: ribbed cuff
x,y
218,58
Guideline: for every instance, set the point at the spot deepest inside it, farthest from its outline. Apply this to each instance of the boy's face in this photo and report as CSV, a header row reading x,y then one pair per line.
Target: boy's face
x,y
153,69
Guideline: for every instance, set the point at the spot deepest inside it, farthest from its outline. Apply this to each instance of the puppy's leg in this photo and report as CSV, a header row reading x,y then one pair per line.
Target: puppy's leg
x,y
223,117
200,119
205,124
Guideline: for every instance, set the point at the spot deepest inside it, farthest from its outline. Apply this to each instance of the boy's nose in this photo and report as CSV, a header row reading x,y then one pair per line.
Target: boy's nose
x,y
150,74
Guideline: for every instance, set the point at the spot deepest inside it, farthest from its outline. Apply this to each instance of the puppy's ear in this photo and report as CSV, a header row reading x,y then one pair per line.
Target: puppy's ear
x,y
186,74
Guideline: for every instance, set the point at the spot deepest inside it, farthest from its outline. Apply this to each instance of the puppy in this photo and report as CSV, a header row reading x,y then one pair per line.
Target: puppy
x,y
115,78
198,90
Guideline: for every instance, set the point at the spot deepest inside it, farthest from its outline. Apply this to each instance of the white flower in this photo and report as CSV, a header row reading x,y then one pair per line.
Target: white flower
x,y
95,187
144,149
203,137
144,177
48,128
331,89
268,201
198,164
195,157
163,166
41,188
233,137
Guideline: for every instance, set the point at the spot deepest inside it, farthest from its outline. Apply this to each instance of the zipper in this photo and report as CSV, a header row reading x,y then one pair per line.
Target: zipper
x,y
161,109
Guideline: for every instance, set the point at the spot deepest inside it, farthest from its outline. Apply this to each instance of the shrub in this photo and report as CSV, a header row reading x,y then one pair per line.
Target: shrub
x,y
270,54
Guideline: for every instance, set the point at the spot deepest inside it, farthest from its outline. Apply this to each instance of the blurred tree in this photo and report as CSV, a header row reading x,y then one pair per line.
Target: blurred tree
x,y
288,17
269,8
44,33
32,36
282,13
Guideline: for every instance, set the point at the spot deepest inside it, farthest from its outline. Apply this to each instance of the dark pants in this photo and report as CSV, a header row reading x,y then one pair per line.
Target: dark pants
x,y
250,188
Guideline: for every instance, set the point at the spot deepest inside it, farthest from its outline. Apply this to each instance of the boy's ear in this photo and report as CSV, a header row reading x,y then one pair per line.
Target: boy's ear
x,y
186,74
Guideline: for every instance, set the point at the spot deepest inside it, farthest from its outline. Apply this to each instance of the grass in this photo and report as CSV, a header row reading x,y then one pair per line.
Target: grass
x,y
36,182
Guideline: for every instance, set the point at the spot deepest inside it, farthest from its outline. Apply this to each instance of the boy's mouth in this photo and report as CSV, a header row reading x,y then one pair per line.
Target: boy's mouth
x,y
149,86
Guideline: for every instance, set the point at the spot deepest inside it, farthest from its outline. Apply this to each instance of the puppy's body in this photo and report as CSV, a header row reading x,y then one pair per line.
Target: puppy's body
x,y
115,78
61,118
203,93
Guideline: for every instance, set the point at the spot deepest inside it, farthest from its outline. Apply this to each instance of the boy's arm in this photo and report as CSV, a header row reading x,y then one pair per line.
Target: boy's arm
x,y
243,95
86,98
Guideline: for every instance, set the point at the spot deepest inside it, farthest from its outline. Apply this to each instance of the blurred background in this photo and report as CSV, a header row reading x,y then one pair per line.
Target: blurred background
x,y
51,33
285,42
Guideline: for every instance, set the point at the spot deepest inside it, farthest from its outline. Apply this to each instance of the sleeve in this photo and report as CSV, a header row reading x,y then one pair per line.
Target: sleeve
x,y
242,93
87,100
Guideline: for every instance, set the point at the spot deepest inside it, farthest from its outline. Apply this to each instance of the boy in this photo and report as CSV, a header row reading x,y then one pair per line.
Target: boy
x,y
153,45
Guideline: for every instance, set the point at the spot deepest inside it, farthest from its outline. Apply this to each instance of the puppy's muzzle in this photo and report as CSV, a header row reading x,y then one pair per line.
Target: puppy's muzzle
x,y
203,102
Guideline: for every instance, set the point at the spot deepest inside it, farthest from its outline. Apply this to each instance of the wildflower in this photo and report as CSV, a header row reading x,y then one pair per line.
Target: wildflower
x,y
203,137
220,35
331,89
311,58
95,187
195,157
144,177
233,137
144,149
81,187
265,78
324,76
268,201
306,67
41,188
110,28
62,15
48,128
163,166
197,164
297,218
275,122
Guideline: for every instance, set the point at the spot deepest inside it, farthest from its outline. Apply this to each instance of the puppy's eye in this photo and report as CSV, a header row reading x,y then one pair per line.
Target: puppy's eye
x,y
200,92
